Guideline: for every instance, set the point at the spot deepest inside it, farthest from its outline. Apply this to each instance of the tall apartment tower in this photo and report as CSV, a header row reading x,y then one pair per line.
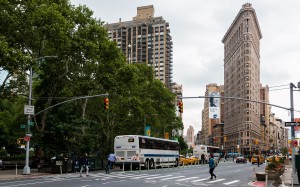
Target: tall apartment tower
x,y
190,139
265,110
146,39
242,80
208,123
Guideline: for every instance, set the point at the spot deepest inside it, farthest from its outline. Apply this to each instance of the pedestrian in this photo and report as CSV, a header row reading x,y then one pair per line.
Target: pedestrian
x,y
225,158
212,166
83,164
111,160
202,158
258,160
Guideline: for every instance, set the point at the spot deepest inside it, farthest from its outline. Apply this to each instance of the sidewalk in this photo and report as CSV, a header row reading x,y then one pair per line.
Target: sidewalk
x,y
287,178
13,174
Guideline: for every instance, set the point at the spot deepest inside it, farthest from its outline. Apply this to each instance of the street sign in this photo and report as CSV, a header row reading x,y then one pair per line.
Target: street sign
x,y
29,109
289,124
22,126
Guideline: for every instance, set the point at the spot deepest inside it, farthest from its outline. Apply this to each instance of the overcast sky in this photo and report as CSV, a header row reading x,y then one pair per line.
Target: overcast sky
x,y
197,28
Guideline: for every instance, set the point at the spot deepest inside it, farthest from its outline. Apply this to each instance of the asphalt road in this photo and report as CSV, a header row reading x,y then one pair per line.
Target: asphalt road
x,y
228,174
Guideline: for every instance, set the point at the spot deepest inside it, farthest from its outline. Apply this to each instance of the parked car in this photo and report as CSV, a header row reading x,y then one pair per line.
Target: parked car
x,y
275,157
183,160
193,160
241,158
254,159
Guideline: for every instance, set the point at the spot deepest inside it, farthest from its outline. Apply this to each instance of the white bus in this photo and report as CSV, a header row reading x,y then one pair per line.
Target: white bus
x,y
206,150
148,152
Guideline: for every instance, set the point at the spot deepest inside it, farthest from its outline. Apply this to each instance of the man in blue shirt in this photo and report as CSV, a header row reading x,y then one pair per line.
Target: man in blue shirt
x,y
111,160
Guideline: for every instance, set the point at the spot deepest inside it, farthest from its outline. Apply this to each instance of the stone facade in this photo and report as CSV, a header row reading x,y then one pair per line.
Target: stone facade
x,y
242,80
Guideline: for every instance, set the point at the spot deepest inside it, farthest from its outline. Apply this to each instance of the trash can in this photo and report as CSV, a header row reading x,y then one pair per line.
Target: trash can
x,y
60,164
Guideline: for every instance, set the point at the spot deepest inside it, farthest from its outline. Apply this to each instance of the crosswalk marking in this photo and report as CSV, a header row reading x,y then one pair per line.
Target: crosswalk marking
x,y
186,179
139,177
143,176
218,180
228,183
159,177
171,178
201,179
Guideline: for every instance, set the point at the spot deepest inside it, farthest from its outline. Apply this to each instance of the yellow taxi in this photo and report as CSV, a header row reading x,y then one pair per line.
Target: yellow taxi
x,y
193,160
275,157
183,160
254,159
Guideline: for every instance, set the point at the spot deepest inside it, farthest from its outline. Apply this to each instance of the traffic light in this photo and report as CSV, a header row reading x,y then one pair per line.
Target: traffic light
x,y
106,103
225,138
180,106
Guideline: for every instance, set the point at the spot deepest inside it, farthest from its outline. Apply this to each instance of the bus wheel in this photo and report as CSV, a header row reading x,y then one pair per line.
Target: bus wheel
x,y
147,163
152,164
176,163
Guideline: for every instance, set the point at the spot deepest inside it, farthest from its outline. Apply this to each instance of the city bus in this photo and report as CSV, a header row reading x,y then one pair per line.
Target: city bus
x,y
145,151
206,150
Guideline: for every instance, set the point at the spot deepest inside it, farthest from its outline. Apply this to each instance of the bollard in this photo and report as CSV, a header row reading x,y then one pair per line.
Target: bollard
x,y
16,169
130,166
60,169
253,174
266,179
123,168
148,165
174,164
140,167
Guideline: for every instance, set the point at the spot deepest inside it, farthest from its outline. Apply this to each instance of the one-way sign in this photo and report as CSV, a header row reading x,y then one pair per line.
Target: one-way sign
x,y
289,124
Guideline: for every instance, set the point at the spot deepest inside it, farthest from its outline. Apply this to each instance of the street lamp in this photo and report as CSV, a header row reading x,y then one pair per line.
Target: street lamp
x,y
26,170
145,118
292,86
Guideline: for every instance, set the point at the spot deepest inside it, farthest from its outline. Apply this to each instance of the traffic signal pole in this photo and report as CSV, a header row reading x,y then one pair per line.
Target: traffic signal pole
x,y
295,177
26,169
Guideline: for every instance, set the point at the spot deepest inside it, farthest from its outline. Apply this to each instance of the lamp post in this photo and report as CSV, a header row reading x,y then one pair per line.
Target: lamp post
x,y
292,86
145,119
26,169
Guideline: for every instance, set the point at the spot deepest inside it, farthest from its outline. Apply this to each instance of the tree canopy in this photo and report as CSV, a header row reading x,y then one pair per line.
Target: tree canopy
x,y
71,56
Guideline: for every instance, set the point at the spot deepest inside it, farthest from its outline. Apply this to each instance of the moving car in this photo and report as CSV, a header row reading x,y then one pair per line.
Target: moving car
x,y
254,159
241,158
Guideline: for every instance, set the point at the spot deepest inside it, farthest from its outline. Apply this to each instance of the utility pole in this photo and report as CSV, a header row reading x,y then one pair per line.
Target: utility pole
x,y
26,170
295,177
